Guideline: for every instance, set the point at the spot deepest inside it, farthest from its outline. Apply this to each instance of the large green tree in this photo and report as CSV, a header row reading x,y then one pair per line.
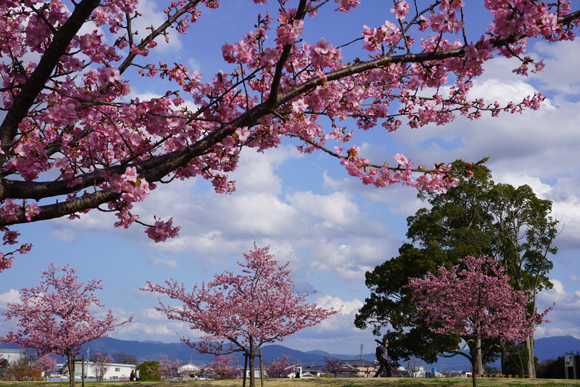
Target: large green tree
x,y
478,217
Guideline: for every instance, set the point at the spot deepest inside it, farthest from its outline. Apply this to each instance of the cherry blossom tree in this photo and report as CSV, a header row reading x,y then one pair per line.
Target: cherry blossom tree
x,y
166,366
66,70
54,317
245,310
222,367
333,365
280,368
101,362
474,300
45,364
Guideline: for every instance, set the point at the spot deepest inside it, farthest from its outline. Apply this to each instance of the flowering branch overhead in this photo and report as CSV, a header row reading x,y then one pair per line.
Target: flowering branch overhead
x,y
70,113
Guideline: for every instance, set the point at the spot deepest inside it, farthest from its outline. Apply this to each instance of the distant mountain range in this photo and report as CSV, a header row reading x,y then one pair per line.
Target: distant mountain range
x,y
545,348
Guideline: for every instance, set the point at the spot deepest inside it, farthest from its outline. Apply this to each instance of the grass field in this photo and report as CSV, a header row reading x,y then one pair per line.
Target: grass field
x,y
320,382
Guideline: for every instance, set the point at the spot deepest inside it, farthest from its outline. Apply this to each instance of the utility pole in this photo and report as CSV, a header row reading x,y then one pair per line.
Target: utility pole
x,y
361,351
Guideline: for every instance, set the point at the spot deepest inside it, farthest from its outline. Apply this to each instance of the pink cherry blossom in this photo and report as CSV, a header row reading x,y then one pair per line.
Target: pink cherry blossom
x,y
162,230
247,310
54,317
401,10
474,300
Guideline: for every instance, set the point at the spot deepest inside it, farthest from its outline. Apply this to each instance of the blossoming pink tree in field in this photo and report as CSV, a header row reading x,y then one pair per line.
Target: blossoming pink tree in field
x,y
66,92
45,364
54,317
280,368
245,310
333,366
476,301
101,362
222,367
166,366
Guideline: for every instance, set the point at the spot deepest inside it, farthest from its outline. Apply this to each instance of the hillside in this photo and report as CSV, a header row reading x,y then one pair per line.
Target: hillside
x,y
545,348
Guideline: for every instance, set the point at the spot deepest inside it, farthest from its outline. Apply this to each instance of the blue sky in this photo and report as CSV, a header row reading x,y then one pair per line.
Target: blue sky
x,y
329,226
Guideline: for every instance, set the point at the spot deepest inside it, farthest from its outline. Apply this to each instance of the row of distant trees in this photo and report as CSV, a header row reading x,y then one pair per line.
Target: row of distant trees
x,y
222,367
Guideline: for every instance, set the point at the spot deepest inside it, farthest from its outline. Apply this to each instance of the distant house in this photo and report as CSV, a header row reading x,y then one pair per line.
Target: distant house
x,y
12,354
256,373
311,371
359,368
188,369
115,371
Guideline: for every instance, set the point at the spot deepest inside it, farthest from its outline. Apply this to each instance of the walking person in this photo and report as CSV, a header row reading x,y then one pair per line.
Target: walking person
x,y
383,357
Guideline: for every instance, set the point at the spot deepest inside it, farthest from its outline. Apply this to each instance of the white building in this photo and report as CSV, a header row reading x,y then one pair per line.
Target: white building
x,y
188,368
114,370
12,355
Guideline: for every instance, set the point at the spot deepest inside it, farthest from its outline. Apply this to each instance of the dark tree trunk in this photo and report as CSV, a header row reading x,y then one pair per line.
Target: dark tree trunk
x,y
503,357
252,354
530,361
71,367
476,360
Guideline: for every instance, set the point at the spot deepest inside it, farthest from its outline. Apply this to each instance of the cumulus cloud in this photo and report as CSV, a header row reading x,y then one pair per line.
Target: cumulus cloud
x,y
345,307
170,263
149,295
151,314
560,76
336,209
341,326
12,296
565,315
63,235
164,332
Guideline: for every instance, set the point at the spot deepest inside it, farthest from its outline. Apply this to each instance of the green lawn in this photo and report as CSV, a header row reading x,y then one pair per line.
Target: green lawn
x,y
320,382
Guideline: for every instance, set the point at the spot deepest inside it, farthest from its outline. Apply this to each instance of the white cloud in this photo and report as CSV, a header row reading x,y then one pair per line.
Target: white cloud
x,y
152,314
193,65
12,296
335,334
151,295
503,91
565,315
166,332
345,307
171,263
335,209
323,232
560,76
64,235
